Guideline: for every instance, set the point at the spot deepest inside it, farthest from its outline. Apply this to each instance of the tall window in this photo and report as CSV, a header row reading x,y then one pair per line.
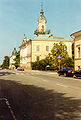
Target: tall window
x,y
42,27
37,48
47,48
79,52
78,67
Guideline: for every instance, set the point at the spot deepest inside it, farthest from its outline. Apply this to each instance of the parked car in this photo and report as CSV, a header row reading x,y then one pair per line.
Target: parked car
x,y
65,71
20,68
77,73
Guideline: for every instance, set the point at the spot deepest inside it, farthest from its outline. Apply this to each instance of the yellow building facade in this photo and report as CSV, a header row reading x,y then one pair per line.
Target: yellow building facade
x,y
38,48
77,49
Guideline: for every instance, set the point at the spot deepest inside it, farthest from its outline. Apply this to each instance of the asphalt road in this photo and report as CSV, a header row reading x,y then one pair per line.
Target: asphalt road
x,y
35,95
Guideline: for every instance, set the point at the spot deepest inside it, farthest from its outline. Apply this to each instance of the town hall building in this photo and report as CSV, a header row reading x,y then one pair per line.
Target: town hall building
x,y
38,48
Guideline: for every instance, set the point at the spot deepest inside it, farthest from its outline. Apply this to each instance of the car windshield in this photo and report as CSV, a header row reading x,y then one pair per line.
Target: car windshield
x,y
68,69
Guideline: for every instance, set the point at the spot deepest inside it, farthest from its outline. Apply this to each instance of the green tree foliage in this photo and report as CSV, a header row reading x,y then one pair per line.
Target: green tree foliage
x,y
67,62
59,49
17,59
41,65
5,62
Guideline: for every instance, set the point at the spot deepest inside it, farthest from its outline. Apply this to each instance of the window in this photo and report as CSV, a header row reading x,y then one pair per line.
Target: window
x,y
78,67
37,48
47,48
79,50
42,27
37,58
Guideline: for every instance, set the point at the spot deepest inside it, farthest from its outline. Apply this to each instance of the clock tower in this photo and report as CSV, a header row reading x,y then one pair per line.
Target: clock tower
x,y
41,24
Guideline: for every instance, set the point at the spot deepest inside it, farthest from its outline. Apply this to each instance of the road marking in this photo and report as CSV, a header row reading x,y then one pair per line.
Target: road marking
x,y
62,85
9,107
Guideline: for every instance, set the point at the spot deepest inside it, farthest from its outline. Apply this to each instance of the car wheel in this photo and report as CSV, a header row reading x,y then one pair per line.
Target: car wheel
x,y
65,74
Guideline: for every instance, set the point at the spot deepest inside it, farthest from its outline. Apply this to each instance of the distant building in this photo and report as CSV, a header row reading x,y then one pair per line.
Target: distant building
x,y
77,49
12,57
38,48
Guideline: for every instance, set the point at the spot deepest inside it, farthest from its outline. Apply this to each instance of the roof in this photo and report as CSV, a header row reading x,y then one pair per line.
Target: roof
x,y
50,37
45,37
76,33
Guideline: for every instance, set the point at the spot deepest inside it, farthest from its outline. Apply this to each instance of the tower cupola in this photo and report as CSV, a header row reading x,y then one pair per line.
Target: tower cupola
x,y
41,24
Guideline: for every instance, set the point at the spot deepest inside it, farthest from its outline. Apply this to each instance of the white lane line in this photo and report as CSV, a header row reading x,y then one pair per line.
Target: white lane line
x,y
9,107
62,85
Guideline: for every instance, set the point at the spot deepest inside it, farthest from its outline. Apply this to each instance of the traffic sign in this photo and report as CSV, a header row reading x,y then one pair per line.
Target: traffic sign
x,y
59,56
59,60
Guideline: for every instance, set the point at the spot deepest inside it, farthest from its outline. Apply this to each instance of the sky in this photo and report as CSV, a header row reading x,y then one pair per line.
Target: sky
x,y
20,16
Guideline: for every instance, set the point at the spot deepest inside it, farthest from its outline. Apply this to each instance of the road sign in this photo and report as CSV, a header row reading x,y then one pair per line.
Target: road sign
x,y
59,56
59,60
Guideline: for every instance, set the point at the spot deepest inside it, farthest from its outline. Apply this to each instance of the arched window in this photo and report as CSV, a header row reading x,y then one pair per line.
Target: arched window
x,y
42,27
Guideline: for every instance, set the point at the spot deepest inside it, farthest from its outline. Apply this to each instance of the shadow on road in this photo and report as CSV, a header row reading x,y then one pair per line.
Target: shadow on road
x,y
5,73
35,103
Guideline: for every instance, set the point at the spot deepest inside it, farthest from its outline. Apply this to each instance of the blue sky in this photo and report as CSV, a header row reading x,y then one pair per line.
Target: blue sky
x,y
20,16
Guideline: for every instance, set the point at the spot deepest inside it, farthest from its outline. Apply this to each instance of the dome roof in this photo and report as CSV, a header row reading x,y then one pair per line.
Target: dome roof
x,y
42,17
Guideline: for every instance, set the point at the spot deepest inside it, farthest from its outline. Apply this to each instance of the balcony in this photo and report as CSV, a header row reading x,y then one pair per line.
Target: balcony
x,y
36,32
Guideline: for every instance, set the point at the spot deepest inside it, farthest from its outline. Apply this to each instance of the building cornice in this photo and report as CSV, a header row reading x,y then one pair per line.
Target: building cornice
x,y
77,59
24,43
52,40
76,34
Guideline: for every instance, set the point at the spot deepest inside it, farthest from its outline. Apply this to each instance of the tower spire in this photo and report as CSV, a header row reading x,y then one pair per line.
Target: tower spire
x,y
41,9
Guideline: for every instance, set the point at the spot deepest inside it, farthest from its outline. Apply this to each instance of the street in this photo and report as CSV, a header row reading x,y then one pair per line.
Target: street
x,y
37,95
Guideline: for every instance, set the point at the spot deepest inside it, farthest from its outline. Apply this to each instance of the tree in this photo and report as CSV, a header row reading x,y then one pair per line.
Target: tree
x,y
59,49
5,62
17,59
41,65
67,62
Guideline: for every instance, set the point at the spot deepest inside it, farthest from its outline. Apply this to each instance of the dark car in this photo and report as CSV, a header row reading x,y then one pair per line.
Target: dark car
x,y
77,73
65,71
20,68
